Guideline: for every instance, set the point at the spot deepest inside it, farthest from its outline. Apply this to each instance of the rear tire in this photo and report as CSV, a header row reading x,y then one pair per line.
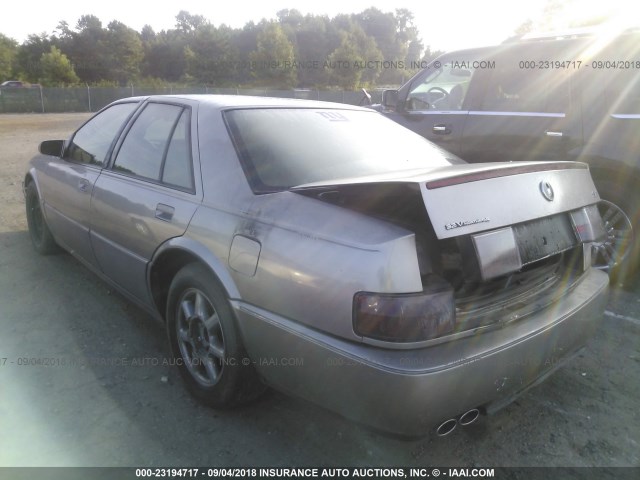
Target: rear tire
x,y
39,232
205,342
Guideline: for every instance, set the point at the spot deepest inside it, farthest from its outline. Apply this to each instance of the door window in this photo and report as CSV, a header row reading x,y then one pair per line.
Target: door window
x,y
92,142
623,92
443,88
157,147
177,166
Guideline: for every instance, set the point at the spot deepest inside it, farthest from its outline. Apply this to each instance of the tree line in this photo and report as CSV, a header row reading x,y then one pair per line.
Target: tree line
x,y
348,51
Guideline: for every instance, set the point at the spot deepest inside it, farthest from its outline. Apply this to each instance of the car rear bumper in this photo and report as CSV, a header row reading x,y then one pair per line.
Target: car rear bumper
x,y
407,392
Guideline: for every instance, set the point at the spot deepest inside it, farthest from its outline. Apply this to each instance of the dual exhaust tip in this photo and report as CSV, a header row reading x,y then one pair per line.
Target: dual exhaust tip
x,y
467,418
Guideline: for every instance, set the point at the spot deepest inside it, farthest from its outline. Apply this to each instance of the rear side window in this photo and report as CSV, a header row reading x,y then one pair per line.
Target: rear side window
x,y
515,89
157,147
177,166
92,142
532,78
624,92
619,68
609,81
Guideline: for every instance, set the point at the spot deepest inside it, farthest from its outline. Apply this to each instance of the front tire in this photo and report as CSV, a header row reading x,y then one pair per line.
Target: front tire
x,y
41,236
205,342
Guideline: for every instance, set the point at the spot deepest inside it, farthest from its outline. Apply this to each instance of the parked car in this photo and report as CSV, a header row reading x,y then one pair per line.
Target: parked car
x,y
328,252
9,84
12,84
572,96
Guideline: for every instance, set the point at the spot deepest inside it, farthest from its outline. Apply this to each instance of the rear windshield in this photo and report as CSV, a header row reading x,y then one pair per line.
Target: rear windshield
x,y
282,148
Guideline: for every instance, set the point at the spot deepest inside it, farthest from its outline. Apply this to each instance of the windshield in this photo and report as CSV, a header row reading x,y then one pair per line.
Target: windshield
x,y
281,148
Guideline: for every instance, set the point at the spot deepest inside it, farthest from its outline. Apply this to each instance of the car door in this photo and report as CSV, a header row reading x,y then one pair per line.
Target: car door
x,y
436,102
147,195
526,111
610,96
67,183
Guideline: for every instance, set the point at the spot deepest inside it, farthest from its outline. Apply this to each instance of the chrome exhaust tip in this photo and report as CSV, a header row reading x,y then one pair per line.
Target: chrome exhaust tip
x,y
469,417
446,427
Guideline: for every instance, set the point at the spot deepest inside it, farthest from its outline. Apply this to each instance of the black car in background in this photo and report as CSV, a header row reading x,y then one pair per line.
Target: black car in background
x,y
572,96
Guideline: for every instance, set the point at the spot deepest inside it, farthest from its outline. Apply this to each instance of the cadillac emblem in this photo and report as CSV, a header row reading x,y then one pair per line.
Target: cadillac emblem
x,y
547,190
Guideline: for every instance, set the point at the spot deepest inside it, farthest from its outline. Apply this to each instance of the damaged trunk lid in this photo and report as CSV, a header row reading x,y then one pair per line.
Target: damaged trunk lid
x,y
499,233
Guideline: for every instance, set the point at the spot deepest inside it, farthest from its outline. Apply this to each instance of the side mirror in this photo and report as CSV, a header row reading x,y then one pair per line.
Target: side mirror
x,y
390,99
52,147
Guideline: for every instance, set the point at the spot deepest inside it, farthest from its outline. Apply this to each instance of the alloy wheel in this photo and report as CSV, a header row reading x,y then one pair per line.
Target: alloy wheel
x,y
619,239
200,337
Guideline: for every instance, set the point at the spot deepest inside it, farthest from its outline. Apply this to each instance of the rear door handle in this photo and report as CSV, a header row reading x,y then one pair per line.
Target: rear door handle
x,y
549,133
164,212
442,129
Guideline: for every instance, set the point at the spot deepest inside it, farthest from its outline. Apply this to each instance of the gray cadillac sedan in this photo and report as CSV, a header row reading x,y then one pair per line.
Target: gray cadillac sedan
x,y
328,252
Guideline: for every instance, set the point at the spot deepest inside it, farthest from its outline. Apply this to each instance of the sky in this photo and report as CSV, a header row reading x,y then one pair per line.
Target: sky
x,y
443,25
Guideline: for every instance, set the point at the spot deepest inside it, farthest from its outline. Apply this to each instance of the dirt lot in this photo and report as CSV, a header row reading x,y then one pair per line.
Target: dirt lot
x,y
76,411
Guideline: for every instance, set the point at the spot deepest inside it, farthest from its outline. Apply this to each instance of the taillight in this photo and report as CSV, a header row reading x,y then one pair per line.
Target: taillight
x,y
588,225
408,317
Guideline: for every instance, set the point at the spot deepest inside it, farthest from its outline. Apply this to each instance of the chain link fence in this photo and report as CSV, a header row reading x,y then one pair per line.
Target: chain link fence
x,y
92,99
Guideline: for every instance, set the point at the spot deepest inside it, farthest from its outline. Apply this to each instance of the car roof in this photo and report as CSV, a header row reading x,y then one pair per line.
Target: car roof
x,y
547,40
471,51
587,33
224,102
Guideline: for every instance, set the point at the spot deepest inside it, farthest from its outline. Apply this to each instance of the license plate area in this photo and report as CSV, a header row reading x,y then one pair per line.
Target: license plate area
x,y
544,237
507,250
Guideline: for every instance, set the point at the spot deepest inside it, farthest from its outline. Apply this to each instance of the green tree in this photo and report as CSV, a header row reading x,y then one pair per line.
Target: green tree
x,y
147,35
407,34
397,38
357,61
287,52
85,47
552,18
243,42
290,17
316,37
8,50
524,28
381,26
208,56
164,56
430,55
57,69
274,58
124,51
187,23
27,60
114,54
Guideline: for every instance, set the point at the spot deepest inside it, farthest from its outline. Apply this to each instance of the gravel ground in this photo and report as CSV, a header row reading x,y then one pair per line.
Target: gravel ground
x,y
76,410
